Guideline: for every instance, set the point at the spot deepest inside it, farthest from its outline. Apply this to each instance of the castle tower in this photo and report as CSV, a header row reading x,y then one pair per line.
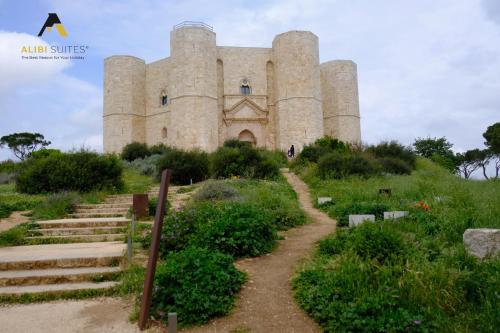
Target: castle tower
x,y
193,90
339,83
124,102
299,117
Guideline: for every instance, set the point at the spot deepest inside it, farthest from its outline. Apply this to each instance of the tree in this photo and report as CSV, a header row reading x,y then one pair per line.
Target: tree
x,y
468,162
492,136
428,147
481,157
24,144
438,150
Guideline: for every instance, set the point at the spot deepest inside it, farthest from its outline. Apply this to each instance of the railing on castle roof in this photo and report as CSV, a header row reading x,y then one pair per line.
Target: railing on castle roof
x,y
193,24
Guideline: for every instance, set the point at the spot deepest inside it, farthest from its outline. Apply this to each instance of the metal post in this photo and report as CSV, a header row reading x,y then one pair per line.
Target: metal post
x,y
133,225
129,248
155,245
172,322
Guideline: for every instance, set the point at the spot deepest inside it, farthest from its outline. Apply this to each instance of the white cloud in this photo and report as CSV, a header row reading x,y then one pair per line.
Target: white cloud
x,y
38,96
16,72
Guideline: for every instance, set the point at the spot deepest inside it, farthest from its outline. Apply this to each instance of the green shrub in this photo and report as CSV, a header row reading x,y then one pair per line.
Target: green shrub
x,y
394,150
216,190
75,171
147,166
240,230
56,206
135,150
394,165
240,159
180,226
186,166
8,166
158,149
197,284
339,165
321,147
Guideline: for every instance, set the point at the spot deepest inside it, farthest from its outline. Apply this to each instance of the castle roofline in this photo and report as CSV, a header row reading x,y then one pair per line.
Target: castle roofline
x,y
123,56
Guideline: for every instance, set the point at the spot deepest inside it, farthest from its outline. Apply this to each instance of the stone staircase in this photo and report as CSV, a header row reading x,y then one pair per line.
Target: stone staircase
x,y
59,268
89,248
114,205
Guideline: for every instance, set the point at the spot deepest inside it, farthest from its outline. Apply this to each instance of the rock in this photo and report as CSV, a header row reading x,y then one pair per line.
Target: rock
x,y
323,200
395,215
355,220
482,243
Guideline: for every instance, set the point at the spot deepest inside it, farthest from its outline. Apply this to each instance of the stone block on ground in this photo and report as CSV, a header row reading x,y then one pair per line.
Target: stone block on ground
x,y
395,215
324,200
482,243
355,220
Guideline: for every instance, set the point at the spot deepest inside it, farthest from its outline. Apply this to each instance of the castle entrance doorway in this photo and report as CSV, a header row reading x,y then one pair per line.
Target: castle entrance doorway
x,y
247,136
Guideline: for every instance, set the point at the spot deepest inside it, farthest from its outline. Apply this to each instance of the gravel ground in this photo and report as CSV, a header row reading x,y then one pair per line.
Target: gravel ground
x,y
103,315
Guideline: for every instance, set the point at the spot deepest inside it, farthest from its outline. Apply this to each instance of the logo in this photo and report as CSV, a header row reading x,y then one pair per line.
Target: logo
x,y
53,20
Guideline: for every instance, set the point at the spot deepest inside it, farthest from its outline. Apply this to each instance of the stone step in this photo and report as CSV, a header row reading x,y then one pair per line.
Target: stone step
x,y
72,255
120,196
56,275
92,222
85,215
56,288
79,231
103,205
81,238
102,210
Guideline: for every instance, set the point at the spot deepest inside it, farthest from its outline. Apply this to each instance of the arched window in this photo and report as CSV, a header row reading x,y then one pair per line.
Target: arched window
x,y
245,87
163,99
164,133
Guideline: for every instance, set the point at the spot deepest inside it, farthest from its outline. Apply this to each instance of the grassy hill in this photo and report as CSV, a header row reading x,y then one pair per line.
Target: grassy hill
x,y
408,275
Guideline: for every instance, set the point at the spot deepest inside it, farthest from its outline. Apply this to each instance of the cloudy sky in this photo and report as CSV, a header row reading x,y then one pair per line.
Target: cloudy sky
x,y
426,67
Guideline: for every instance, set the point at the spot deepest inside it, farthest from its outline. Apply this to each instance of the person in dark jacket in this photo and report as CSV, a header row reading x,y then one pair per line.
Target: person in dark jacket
x,y
292,151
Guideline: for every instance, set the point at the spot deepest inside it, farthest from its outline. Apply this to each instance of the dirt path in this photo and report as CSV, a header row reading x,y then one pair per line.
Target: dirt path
x,y
14,219
266,302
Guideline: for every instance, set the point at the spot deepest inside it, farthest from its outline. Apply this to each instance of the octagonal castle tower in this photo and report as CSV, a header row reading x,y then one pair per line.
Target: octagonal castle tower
x,y
204,94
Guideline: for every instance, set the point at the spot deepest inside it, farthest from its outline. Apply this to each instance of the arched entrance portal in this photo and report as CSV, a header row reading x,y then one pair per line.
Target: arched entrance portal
x,y
247,136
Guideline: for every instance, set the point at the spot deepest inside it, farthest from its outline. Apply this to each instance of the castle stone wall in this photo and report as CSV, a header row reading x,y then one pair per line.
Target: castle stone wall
x,y
293,99
299,118
339,82
124,102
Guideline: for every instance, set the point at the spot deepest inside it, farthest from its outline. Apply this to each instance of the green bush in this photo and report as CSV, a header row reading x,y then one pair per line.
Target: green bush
x,y
135,150
394,150
216,190
186,166
240,230
56,206
181,226
158,149
339,165
394,165
237,158
147,166
197,284
321,147
75,171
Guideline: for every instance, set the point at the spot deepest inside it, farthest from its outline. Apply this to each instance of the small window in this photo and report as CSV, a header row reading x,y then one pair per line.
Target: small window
x,y
164,100
245,89
164,133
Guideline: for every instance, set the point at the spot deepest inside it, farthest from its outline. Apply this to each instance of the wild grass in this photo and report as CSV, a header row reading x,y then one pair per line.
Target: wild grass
x,y
412,274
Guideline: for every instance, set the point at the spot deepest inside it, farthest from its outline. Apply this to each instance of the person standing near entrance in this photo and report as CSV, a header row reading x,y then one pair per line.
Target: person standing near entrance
x,y
292,151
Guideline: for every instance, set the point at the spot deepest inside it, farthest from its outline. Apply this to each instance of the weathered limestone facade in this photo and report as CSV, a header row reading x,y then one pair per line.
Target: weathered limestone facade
x,y
204,94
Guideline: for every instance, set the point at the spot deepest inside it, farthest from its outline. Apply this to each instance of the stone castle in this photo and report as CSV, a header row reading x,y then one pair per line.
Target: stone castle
x,y
204,94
